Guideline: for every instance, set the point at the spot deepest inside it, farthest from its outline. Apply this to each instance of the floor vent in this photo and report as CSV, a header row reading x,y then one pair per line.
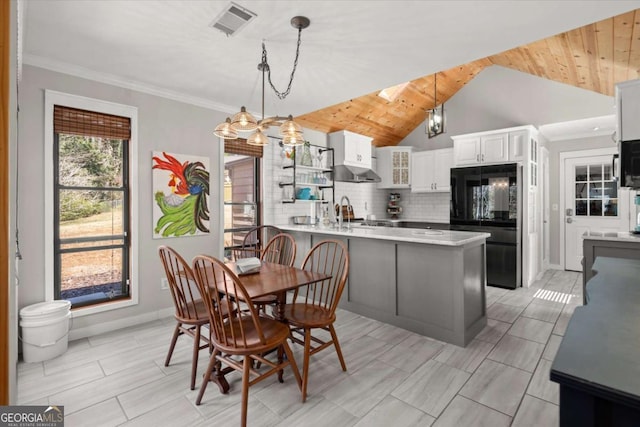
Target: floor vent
x,y
232,19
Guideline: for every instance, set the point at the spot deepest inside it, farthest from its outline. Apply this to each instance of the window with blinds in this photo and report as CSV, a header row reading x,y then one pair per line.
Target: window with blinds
x,y
92,230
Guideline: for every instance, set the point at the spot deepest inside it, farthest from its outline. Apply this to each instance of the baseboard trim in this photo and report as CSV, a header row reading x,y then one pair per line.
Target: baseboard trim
x,y
92,330
555,267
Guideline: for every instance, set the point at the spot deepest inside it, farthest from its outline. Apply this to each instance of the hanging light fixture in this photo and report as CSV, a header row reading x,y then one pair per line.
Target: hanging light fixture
x,y
290,131
224,130
435,119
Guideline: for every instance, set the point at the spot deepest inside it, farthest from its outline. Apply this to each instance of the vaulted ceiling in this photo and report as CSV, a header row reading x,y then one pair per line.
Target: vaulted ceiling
x,y
593,57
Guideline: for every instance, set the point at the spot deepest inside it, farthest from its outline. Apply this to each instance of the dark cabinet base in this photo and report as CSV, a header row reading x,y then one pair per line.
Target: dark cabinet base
x,y
582,409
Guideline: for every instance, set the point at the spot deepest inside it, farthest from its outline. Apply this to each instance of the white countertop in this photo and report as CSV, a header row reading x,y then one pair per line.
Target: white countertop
x,y
613,236
431,221
413,235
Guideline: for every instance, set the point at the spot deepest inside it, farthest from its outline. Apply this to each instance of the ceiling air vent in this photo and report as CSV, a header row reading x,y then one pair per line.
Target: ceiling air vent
x,y
232,19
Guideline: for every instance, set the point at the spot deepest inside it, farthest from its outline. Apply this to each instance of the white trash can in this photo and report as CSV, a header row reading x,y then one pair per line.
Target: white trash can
x,y
45,330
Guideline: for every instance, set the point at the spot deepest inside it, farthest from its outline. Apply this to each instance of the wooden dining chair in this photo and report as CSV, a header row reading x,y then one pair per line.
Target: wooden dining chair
x,y
191,312
239,341
314,306
255,241
281,249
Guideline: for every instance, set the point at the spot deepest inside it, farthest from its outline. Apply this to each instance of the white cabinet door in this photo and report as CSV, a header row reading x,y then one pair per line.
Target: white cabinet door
x,y
431,170
628,95
442,163
493,148
394,167
362,146
518,145
466,151
422,172
351,149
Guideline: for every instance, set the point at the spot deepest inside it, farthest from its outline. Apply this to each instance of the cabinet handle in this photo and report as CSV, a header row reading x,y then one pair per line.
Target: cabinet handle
x,y
483,157
435,185
477,157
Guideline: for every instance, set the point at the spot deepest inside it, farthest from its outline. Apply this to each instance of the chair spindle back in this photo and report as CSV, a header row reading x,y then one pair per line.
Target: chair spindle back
x,y
219,288
329,257
281,249
255,241
182,283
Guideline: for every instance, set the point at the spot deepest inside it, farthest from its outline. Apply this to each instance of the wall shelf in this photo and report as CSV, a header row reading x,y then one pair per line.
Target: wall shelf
x,y
305,201
296,168
307,184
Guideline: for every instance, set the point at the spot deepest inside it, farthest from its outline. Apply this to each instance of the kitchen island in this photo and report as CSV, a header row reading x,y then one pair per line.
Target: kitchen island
x,y
598,361
431,282
610,244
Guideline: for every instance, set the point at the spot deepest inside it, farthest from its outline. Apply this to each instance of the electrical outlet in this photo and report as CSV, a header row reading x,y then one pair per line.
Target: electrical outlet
x,y
164,283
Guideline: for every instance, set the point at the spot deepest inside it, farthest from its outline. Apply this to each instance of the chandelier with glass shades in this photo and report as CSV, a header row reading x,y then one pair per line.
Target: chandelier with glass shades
x,y
243,121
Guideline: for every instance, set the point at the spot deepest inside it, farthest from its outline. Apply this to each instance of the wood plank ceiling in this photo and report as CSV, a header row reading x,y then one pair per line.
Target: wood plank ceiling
x,y
593,57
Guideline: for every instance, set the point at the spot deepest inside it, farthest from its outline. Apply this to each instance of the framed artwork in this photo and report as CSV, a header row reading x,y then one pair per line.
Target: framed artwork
x,y
181,195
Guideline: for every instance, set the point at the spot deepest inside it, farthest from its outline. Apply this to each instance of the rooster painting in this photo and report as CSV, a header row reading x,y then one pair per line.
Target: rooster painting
x,y
184,206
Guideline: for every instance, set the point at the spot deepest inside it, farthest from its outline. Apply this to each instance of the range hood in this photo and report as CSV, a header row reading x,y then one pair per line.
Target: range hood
x,y
342,173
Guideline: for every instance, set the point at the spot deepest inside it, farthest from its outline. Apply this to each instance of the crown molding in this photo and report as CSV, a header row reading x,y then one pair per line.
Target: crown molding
x,y
111,79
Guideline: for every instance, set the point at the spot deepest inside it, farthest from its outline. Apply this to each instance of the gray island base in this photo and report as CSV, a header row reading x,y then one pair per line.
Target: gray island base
x,y
431,282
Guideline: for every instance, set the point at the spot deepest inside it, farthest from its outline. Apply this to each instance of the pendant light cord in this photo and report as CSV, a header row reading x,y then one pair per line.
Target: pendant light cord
x,y
282,95
435,90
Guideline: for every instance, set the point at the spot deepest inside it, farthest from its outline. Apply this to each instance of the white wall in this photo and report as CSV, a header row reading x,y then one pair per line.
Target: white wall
x,y
163,125
499,97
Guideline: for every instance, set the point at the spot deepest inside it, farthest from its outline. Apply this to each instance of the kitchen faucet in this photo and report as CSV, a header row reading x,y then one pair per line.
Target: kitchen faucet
x,y
341,214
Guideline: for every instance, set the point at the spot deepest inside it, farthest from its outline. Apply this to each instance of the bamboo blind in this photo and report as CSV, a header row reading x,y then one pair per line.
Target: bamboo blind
x,y
72,121
240,146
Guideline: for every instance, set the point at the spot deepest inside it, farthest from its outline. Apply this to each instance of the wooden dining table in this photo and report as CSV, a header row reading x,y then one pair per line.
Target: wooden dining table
x,y
277,279
271,279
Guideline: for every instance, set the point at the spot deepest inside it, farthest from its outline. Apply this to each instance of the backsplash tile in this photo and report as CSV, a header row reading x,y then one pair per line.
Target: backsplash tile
x,y
425,206
364,197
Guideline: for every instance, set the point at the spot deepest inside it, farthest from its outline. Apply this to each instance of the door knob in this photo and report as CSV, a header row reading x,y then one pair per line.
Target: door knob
x,y
569,220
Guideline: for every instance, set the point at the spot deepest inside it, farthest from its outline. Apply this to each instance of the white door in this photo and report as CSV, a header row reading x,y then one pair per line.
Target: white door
x,y
591,202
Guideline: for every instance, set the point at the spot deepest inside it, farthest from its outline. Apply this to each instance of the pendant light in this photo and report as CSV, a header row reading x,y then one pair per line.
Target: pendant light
x,y
243,121
435,118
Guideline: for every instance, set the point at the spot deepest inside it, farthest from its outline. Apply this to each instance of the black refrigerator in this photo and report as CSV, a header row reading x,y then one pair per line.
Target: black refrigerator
x,y
488,199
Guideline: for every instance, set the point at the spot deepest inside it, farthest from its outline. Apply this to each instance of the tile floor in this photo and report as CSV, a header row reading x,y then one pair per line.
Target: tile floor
x,y
394,377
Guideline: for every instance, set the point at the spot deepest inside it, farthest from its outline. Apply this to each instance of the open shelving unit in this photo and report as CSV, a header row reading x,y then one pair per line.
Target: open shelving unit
x,y
313,171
